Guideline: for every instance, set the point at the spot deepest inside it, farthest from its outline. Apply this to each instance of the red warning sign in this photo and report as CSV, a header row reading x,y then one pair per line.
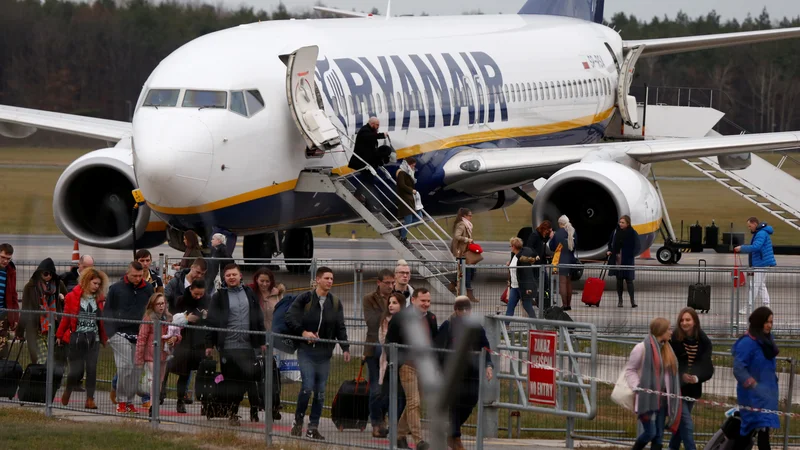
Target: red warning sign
x,y
542,381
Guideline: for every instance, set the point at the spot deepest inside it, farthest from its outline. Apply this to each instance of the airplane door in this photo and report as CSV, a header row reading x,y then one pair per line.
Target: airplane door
x,y
304,105
627,103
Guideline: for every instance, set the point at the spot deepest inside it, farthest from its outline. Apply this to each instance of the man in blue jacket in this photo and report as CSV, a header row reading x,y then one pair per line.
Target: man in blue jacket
x,y
761,255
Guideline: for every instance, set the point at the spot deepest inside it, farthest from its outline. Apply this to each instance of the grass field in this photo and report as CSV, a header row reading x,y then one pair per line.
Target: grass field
x,y
28,196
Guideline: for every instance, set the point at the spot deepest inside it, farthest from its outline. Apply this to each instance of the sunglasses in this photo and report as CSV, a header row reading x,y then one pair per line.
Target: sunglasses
x,y
46,274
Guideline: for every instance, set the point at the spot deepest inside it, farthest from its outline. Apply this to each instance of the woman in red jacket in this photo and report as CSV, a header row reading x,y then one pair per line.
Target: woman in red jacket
x,y
85,333
156,309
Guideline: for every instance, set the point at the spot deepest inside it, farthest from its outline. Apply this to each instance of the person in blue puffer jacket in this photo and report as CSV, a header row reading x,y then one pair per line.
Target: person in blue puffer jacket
x,y
760,255
754,367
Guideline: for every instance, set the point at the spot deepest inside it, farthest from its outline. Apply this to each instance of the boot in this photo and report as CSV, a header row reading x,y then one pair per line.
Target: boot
x,y
181,407
90,403
656,446
633,304
253,414
471,297
65,396
379,432
637,446
619,304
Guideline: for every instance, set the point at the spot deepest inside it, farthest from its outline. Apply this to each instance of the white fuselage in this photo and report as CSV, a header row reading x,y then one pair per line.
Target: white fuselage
x,y
436,84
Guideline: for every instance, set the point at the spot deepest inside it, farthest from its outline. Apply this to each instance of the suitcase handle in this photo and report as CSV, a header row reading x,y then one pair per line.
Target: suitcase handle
x,y
705,273
11,346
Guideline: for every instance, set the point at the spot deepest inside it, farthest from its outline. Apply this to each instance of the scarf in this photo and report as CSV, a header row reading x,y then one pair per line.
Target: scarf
x,y
468,224
652,377
47,302
620,236
407,169
767,344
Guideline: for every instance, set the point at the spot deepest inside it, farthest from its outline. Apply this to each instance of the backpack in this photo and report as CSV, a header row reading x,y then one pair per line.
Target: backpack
x,y
279,322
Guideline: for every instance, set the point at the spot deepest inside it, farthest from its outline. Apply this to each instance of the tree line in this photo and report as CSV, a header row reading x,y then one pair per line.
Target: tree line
x,y
93,58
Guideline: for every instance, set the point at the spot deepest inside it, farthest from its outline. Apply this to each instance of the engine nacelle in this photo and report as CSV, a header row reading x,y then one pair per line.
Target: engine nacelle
x,y
15,131
594,196
93,202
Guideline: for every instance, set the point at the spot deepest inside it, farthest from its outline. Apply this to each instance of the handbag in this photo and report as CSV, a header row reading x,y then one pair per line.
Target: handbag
x,y
622,394
417,201
504,295
739,277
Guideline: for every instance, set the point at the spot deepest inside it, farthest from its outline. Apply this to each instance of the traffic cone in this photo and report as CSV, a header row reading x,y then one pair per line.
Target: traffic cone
x,y
76,255
646,254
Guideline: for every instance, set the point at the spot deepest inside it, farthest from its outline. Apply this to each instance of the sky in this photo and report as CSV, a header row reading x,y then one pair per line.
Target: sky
x,y
644,9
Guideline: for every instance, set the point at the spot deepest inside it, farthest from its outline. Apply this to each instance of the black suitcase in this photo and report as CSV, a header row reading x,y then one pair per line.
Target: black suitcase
x,y
725,438
262,384
33,387
350,408
10,373
212,395
700,293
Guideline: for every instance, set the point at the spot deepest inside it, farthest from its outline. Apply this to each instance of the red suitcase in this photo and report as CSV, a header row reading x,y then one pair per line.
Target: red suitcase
x,y
593,290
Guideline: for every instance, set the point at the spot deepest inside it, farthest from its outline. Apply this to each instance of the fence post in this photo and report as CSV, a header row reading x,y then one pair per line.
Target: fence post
x,y
481,387
393,378
49,388
156,385
570,394
787,419
269,359
462,271
489,415
540,288
313,271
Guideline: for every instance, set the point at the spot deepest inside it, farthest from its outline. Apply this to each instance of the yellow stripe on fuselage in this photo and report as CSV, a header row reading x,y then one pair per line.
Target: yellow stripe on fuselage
x,y
439,144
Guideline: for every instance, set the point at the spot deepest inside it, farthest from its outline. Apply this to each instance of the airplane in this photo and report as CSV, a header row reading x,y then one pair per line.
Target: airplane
x,y
486,104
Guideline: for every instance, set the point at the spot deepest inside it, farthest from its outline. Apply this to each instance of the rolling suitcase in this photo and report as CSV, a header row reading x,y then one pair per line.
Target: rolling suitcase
x,y
210,393
10,373
593,290
700,293
262,384
33,387
725,438
351,405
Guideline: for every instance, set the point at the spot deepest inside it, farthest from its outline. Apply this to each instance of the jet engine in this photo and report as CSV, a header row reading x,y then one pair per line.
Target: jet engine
x,y
93,202
594,196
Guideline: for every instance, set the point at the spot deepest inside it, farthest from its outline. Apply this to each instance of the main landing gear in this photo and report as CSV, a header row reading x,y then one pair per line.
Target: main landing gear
x,y
294,244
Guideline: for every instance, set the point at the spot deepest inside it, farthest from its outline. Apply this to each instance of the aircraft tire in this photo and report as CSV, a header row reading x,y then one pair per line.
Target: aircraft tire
x,y
665,255
298,244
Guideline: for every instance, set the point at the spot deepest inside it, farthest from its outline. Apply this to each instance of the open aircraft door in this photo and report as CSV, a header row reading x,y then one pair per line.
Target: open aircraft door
x,y
627,103
304,104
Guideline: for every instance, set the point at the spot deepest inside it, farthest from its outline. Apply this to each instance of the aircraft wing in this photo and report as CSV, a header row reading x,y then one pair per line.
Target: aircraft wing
x,y
341,12
488,170
103,129
665,46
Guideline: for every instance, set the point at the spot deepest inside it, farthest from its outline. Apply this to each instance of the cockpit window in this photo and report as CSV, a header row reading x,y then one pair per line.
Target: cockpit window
x,y
255,102
162,97
237,103
205,99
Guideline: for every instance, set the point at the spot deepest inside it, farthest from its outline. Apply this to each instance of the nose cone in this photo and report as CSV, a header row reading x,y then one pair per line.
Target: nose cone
x,y
172,158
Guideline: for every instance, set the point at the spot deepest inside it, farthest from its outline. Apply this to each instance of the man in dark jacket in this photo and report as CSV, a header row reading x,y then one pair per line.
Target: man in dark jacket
x,y
316,314
410,421
9,301
469,385
145,258
366,146
235,307
70,278
182,280
375,306
127,299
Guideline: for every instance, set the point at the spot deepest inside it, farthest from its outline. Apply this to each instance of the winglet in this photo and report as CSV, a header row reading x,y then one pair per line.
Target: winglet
x,y
342,13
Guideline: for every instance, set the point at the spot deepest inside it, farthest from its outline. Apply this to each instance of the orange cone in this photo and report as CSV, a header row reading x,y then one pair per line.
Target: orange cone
x,y
646,255
76,255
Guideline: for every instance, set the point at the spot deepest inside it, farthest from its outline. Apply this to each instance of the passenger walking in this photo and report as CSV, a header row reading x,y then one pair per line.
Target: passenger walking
x,y
181,281
127,299
375,307
754,367
394,306
402,278
537,242
268,293
521,284
410,421
366,152
71,277
85,333
469,385
235,307
462,237
405,191
623,248
9,300
220,259
653,366
44,292
562,243
192,244
191,349
145,353
761,255
693,351
145,258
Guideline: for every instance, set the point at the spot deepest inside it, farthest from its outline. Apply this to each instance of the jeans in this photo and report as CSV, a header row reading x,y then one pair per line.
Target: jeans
x,y
685,429
314,370
376,410
514,296
407,220
80,360
469,276
653,427
465,404
758,289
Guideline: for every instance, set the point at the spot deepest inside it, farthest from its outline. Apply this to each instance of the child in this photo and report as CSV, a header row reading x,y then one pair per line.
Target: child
x,y
174,330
